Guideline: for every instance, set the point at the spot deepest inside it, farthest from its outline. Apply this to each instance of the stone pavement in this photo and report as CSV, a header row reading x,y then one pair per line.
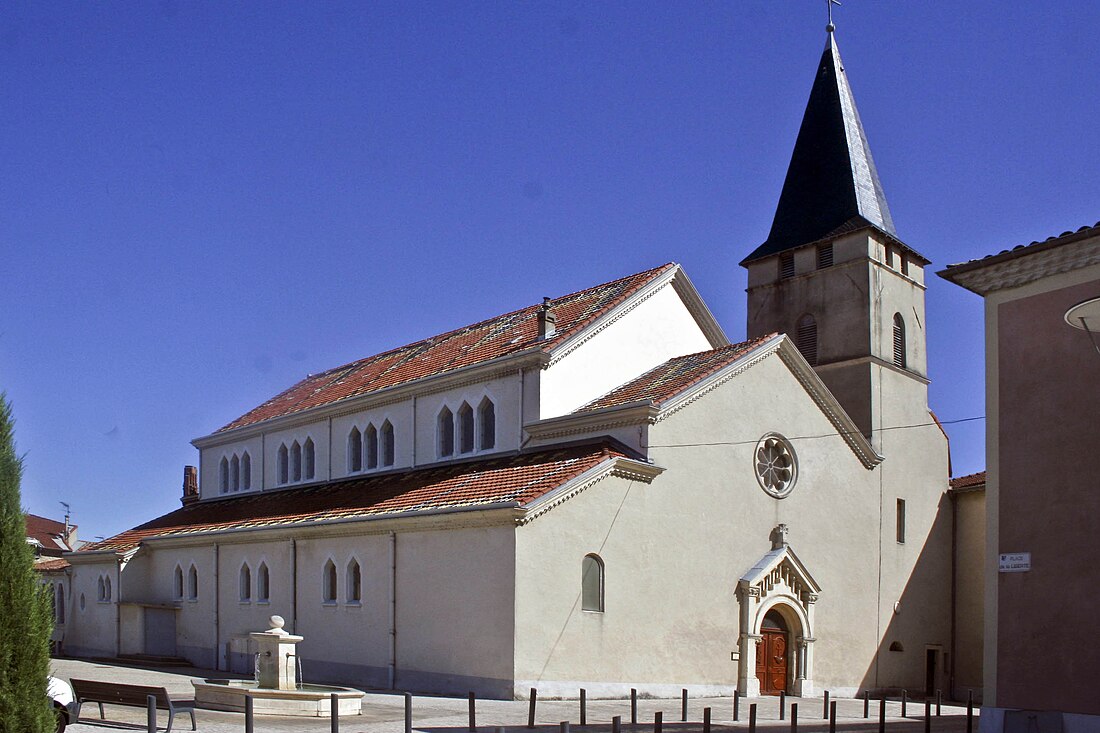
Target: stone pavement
x,y
384,712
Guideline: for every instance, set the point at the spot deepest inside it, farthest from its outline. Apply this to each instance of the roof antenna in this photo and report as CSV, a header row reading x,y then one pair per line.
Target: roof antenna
x,y
830,28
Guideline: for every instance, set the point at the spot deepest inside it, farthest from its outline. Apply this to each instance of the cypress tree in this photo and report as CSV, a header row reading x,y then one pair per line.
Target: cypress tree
x,y
26,619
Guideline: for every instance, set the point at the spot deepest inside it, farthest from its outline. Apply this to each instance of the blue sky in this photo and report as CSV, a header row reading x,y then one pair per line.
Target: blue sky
x,y
203,202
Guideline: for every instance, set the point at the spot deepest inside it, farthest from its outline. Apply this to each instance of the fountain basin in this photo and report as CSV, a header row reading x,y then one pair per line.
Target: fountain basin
x,y
312,701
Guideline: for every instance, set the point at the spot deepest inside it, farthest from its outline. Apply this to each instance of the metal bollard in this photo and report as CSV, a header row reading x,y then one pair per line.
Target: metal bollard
x,y
584,707
473,714
334,712
684,705
617,724
151,712
736,705
706,720
928,715
970,712
531,710
408,712
658,722
633,706
832,717
794,717
882,715
904,701
939,702
825,706
782,704
248,714
752,718
866,704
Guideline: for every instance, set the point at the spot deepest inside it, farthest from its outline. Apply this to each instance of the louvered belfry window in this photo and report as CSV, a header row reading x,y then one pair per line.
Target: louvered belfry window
x,y
786,265
899,341
806,338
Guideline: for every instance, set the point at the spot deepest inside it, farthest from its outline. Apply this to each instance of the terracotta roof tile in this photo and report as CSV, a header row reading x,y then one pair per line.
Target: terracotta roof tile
x,y
675,375
969,481
511,478
496,337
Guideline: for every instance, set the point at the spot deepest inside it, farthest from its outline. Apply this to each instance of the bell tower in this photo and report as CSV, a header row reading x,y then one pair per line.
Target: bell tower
x,y
834,275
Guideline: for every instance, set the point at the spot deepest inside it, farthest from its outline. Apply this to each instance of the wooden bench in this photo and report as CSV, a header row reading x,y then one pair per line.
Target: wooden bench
x,y
114,693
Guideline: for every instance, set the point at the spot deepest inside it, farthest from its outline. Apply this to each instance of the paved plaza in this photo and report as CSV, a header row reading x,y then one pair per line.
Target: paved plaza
x,y
384,712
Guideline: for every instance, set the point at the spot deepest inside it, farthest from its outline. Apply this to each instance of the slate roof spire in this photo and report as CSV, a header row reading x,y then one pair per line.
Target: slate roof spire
x,y
831,182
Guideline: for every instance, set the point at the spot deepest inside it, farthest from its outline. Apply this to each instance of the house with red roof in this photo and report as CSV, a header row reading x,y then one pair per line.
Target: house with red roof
x,y
598,490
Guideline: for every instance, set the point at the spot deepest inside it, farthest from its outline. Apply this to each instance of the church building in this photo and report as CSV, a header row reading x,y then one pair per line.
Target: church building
x,y
600,490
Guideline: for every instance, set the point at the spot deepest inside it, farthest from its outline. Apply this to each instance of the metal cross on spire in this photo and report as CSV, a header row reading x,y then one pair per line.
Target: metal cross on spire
x,y
830,28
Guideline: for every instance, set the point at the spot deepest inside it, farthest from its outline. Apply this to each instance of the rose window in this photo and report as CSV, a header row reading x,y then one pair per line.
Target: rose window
x,y
776,468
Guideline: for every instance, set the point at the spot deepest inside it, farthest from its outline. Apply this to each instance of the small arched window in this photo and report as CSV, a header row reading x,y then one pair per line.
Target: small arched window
x,y
899,341
245,583
446,430
235,473
328,591
592,583
371,436
59,598
295,461
284,463
192,584
223,475
354,582
487,419
246,472
806,338
263,584
177,584
465,428
387,443
355,451
309,459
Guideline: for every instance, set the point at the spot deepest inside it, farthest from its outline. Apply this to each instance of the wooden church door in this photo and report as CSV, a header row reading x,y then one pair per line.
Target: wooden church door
x,y
771,655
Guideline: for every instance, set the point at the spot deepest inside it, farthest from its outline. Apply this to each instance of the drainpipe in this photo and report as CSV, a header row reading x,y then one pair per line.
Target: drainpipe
x,y
393,611
217,629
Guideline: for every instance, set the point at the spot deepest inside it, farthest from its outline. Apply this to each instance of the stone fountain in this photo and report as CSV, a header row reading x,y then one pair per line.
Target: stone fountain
x,y
276,689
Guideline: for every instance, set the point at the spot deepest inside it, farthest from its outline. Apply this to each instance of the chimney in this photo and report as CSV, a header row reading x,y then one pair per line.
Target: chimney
x,y
190,485
547,320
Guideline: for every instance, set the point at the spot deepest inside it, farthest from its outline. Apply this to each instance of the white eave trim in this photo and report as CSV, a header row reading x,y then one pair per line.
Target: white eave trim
x,y
627,468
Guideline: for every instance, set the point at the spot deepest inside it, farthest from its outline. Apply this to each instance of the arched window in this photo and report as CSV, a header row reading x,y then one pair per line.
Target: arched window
x,y
246,472
245,583
101,594
806,338
192,584
235,473
309,458
487,419
387,443
354,582
355,451
223,475
284,473
328,593
177,584
107,589
446,431
371,439
263,584
465,428
592,583
295,461
59,599
899,341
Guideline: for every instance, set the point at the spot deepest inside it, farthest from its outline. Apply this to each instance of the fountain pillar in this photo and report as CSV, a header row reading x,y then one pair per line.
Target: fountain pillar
x,y
277,658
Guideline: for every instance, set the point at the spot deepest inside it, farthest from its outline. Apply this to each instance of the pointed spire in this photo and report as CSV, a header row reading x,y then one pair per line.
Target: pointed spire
x,y
831,181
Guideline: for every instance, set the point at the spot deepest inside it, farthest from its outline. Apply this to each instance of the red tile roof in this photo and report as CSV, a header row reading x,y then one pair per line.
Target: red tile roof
x,y
516,478
675,375
506,334
48,533
968,482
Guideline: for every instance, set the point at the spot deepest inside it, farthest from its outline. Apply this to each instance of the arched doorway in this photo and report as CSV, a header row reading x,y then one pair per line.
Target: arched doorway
x,y
772,654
